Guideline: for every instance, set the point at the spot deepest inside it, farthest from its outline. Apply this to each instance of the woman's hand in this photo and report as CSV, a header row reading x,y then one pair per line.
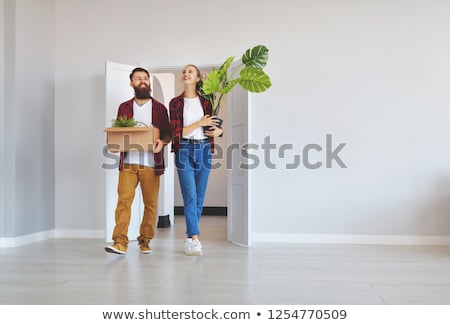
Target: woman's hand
x,y
207,121
214,132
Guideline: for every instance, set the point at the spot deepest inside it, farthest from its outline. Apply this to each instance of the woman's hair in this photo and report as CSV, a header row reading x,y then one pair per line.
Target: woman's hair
x,y
196,68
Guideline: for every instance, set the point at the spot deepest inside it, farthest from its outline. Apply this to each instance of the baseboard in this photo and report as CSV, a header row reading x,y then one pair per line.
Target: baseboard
x,y
350,239
49,234
255,238
207,211
26,239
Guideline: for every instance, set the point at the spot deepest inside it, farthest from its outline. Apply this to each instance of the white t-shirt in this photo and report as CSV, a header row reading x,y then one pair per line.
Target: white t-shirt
x,y
141,114
193,112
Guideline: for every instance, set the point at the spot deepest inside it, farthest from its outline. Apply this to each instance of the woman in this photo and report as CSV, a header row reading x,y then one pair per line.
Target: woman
x,y
189,114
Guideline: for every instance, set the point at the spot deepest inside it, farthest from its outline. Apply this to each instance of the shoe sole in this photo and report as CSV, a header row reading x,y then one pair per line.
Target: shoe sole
x,y
195,254
146,252
110,249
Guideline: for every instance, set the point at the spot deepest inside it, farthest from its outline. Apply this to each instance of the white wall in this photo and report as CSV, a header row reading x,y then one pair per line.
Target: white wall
x,y
2,118
374,74
8,145
27,146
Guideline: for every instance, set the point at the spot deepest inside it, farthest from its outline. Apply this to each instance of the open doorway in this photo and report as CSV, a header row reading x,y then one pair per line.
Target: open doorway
x,y
228,188
216,199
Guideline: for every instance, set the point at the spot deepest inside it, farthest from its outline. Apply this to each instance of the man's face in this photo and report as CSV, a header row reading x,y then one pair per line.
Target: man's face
x,y
141,85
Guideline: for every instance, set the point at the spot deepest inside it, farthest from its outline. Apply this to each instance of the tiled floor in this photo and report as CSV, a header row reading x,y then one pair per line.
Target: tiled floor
x,y
78,271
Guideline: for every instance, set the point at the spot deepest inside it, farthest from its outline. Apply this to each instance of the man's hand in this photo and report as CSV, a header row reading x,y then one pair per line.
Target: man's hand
x,y
159,145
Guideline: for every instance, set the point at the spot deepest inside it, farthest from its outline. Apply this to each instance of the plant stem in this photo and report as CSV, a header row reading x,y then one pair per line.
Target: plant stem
x,y
217,109
217,103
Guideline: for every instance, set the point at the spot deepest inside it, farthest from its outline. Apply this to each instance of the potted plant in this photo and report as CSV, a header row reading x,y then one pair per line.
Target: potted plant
x,y
123,122
248,74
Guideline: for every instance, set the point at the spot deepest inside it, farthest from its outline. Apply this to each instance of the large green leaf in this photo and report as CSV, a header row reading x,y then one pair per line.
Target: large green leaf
x,y
211,83
254,80
256,57
229,86
224,68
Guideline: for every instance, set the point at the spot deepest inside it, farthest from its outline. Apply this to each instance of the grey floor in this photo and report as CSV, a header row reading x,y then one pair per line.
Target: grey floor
x,y
78,271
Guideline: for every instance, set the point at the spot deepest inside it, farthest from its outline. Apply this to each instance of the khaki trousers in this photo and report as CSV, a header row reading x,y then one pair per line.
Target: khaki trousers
x,y
129,178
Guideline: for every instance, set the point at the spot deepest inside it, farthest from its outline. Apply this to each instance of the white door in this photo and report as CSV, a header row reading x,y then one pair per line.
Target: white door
x,y
163,90
117,91
238,175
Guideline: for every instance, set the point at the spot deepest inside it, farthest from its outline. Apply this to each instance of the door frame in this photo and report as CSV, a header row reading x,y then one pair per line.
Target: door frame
x,y
231,219
230,216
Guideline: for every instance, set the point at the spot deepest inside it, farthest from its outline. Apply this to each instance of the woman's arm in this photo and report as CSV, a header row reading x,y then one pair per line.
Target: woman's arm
x,y
205,121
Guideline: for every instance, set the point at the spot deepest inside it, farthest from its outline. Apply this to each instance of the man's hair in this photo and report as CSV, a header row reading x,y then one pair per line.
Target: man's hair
x,y
138,70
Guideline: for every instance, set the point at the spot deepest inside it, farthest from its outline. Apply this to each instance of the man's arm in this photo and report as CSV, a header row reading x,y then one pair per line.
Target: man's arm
x,y
162,130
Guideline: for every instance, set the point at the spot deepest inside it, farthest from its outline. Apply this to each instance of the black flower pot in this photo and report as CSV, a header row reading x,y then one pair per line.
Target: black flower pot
x,y
219,124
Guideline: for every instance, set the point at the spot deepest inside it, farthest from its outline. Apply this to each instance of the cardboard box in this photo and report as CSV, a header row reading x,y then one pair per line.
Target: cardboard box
x,y
130,139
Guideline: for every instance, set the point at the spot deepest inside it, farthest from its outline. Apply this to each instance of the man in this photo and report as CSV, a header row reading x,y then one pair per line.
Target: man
x,y
144,167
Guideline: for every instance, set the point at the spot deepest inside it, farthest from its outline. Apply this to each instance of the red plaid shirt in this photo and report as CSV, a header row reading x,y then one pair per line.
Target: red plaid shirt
x,y
176,107
160,120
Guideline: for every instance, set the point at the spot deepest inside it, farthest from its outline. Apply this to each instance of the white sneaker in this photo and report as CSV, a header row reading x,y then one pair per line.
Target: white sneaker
x,y
196,248
188,246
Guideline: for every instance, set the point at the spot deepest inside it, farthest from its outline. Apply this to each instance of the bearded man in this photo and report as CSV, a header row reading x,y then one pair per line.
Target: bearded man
x,y
142,167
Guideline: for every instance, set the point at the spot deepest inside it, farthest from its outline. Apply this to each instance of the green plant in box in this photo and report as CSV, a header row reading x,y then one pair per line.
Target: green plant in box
x,y
123,121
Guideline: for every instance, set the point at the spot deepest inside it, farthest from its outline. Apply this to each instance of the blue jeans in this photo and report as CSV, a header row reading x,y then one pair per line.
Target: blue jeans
x,y
193,162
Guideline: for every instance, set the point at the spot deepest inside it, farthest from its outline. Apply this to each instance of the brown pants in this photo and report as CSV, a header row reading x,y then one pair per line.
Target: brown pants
x,y
129,178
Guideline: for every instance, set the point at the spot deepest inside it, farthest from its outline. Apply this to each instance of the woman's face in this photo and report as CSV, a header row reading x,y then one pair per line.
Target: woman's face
x,y
190,75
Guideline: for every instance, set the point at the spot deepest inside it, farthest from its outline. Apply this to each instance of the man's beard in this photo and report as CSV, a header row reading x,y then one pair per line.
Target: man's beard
x,y
142,93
